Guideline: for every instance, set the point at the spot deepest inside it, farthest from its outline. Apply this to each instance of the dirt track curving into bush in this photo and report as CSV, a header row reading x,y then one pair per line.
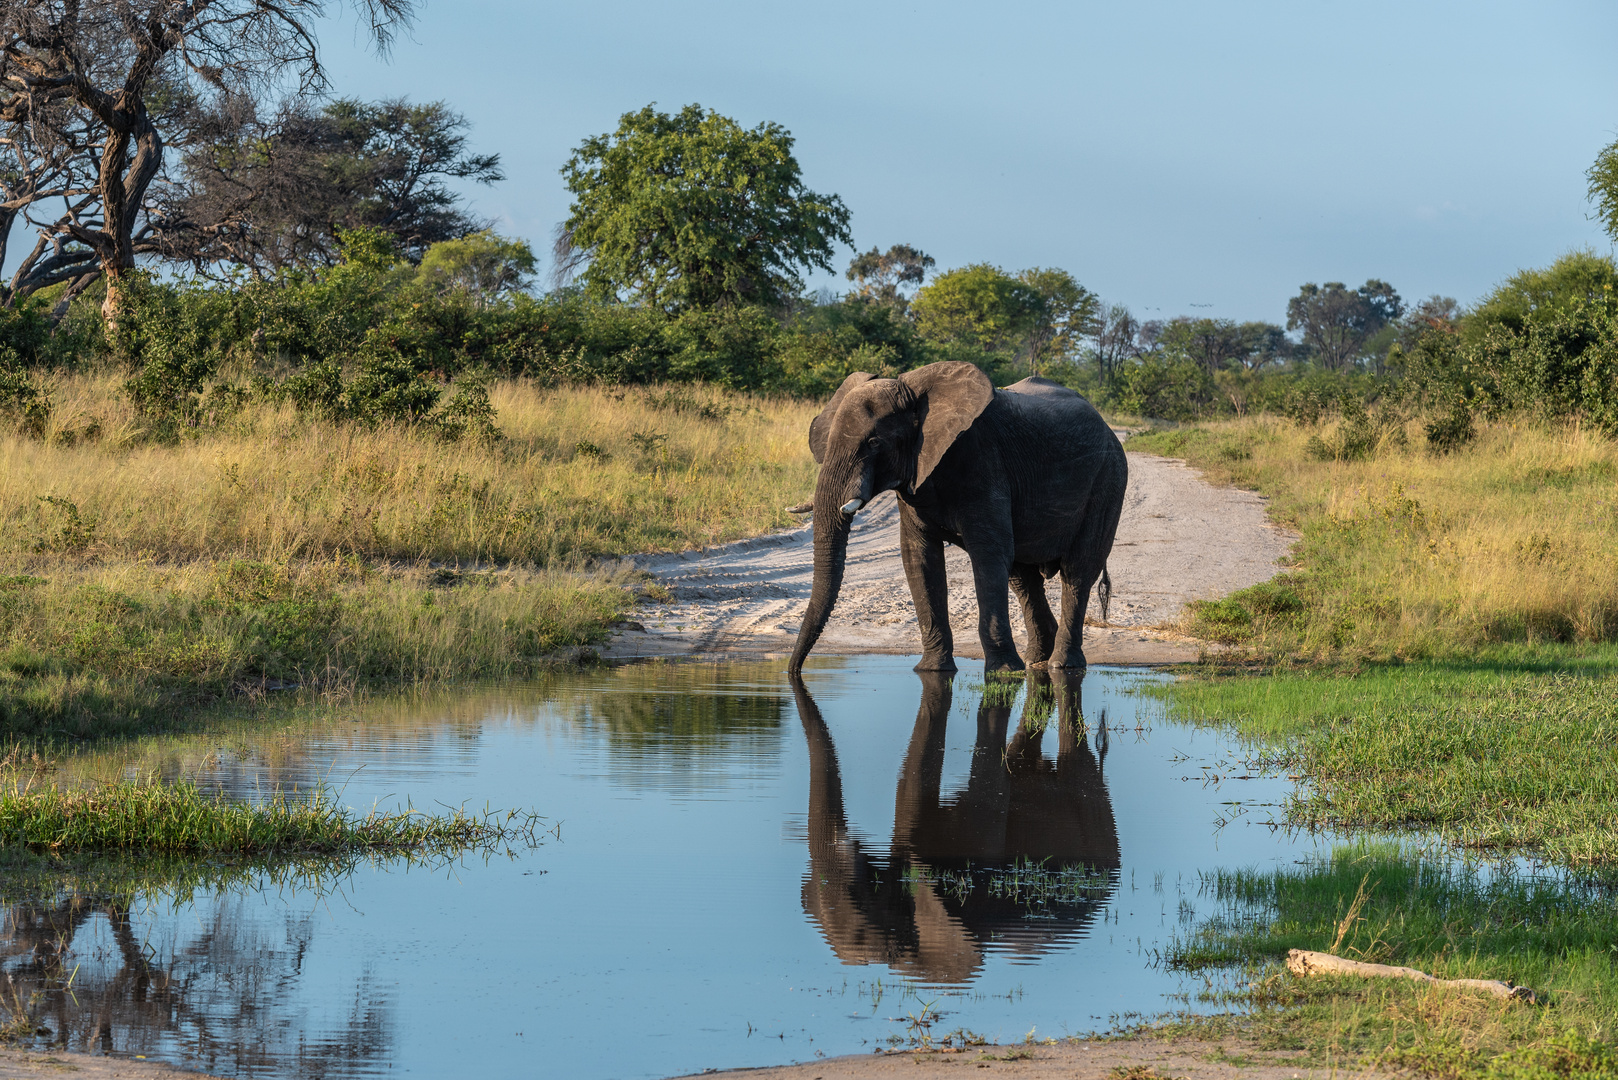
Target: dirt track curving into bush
x,y
1180,539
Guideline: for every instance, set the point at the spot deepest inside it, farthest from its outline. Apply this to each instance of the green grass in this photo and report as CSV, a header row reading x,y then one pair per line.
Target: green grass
x,y
1438,660
98,651
183,820
1506,761
1452,921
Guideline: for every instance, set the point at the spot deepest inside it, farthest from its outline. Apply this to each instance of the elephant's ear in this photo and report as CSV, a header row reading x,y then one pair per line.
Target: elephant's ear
x,y
952,395
820,426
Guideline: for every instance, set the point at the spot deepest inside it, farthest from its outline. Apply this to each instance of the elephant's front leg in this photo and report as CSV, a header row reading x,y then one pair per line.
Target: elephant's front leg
x,y
922,551
991,573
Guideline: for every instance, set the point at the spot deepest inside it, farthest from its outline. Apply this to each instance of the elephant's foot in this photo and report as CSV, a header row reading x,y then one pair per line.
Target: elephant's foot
x,y
1072,661
1002,662
938,662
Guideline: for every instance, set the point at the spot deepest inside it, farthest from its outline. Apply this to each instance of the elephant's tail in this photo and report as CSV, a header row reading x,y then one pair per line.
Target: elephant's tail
x,y
1104,593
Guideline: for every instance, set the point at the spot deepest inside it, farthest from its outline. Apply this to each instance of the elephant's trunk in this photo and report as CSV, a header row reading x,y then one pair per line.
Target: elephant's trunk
x,y
833,520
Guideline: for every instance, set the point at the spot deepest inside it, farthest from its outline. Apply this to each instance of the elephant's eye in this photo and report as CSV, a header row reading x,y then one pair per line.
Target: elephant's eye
x,y
872,443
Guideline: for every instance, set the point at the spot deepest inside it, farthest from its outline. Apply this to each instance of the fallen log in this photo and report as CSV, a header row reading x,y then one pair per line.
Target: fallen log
x,y
1305,962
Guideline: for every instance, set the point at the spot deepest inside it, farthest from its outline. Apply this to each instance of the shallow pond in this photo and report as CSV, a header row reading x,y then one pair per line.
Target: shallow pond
x,y
736,874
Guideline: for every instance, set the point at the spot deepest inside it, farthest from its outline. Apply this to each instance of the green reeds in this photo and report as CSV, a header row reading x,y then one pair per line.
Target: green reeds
x,y
183,820
1493,759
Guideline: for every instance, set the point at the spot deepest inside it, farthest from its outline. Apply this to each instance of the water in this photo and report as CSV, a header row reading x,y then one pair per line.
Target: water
x,y
736,876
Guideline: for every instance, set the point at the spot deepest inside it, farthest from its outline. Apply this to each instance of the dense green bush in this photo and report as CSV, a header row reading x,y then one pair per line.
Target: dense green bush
x,y
374,340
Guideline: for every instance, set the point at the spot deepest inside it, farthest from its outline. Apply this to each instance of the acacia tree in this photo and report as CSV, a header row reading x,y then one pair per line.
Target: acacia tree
x,y
694,211
1217,344
129,75
1337,322
881,275
268,196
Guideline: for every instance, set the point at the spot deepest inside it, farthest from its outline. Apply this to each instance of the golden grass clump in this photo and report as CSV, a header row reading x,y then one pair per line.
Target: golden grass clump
x,y
580,472
1513,538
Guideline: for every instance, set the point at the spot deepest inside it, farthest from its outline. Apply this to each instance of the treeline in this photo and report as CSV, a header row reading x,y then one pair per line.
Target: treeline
x,y
1543,344
377,338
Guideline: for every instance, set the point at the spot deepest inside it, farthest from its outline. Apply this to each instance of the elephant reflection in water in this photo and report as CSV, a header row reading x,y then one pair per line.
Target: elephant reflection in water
x,y
927,910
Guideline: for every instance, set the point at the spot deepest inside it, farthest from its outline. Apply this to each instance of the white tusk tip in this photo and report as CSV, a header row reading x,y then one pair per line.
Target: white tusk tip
x,y
852,505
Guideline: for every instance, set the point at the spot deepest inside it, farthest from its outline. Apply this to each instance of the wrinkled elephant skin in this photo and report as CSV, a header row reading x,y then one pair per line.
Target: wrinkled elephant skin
x,y
1028,480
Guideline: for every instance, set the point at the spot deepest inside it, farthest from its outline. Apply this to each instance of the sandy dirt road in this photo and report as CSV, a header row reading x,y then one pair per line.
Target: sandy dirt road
x,y
1180,539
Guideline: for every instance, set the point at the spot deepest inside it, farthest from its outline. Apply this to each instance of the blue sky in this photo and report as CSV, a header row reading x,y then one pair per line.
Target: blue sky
x,y
1179,158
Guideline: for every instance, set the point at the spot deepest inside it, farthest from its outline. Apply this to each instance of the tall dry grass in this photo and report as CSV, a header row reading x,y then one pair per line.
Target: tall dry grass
x,y
1513,538
140,580
580,473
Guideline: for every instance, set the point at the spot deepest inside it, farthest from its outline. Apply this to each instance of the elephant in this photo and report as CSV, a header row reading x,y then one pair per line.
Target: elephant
x,y
929,910
1029,480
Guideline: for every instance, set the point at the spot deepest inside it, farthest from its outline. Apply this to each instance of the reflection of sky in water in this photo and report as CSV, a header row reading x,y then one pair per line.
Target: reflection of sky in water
x,y
669,929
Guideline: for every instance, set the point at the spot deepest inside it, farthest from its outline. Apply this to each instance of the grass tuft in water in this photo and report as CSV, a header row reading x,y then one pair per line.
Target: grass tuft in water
x,y
182,819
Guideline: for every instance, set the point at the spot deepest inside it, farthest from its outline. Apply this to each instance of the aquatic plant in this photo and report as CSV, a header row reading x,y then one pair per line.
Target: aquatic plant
x,y
182,819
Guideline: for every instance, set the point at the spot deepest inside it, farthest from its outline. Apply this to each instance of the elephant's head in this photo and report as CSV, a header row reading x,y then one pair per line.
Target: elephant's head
x,y
879,435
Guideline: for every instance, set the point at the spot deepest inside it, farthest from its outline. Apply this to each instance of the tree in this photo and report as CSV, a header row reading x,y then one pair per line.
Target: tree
x,y
1336,322
1224,344
880,276
1063,315
1603,188
273,196
1263,344
483,265
978,305
122,77
1538,295
1210,343
694,211
1115,333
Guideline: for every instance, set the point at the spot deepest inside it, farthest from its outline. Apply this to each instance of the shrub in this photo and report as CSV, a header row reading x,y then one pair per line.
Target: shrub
x,y
22,399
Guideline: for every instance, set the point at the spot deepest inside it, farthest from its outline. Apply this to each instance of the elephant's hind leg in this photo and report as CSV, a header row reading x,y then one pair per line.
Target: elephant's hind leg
x,y
1068,651
1085,561
1029,585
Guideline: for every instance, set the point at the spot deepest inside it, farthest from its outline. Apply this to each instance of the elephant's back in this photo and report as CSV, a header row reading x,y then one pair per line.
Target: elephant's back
x,y
1053,406
1058,425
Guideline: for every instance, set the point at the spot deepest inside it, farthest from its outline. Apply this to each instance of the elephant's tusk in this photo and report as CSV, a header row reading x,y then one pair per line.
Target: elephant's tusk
x,y
852,505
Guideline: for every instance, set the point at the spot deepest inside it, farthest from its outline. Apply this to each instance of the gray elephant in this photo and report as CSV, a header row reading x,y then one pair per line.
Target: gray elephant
x,y
1028,480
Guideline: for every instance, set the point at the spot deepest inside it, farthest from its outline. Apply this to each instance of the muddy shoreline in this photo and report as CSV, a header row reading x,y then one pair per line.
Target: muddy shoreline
x,y
1108,1059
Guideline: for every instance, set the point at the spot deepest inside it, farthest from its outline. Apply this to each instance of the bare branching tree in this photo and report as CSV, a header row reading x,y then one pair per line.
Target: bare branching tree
x,y
112,83
1116,336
